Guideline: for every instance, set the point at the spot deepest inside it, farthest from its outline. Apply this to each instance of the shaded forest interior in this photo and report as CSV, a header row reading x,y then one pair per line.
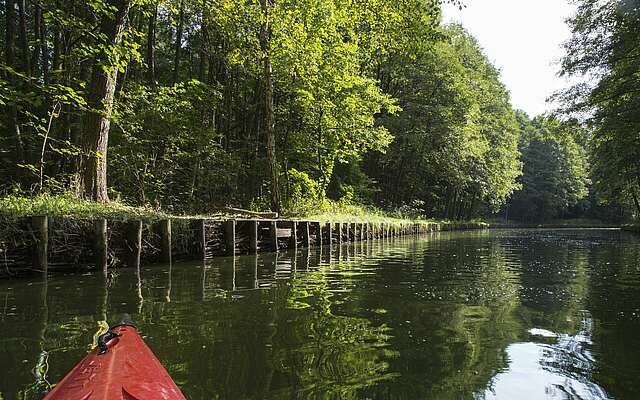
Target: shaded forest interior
x,y
192,105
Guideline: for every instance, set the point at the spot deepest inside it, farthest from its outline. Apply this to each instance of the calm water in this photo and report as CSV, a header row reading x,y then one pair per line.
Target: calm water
x,y
551,314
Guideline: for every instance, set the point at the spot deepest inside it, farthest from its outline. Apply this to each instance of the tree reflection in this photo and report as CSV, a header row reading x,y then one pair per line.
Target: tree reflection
x,y
447,317
322,354
614,301
450,330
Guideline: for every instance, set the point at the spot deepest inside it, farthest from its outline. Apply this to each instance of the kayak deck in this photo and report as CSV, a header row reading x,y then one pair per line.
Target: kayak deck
x,y
127,371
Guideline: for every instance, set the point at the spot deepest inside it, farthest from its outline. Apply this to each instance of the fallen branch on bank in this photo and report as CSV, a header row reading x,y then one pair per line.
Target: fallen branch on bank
x,y
266,214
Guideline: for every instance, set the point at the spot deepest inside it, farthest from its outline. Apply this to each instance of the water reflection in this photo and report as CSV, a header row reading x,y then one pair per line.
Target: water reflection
x,y
558,368
504,314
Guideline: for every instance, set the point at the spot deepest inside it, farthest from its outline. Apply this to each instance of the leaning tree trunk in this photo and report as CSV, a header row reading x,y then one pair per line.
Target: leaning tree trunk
x,y
92,168
269,119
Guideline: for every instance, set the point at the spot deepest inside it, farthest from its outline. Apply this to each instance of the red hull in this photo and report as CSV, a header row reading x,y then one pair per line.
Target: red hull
x,y
128,371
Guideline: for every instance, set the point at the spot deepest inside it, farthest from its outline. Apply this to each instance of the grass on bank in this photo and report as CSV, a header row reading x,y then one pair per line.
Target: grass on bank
x,y
12,206
67,206
554,223
341,212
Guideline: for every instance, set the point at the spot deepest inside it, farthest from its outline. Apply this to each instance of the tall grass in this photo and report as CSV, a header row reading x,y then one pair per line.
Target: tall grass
x,y
66,205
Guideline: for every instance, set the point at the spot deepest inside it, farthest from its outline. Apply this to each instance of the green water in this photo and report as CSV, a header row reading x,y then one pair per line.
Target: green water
x,y
512,314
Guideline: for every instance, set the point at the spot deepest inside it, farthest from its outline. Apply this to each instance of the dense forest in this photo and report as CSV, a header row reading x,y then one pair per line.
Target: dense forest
x,y
193,105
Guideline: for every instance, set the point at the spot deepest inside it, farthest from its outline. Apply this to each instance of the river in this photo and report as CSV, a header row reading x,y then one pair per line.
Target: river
x,y
499,314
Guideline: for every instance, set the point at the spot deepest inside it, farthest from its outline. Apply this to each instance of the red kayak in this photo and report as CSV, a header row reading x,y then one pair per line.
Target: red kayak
x,y
121,368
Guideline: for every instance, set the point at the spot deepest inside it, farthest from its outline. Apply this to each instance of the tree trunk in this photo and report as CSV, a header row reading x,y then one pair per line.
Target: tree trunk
x,y
10,59
636,202
92,168
151,46
319,149
454,205
37,33
269,119
44,50
178,46
204,41
10,34
24,40
56,61
450,194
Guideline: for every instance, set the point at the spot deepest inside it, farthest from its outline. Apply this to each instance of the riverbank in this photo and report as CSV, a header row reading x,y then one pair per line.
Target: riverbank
x,y
52,233
561,223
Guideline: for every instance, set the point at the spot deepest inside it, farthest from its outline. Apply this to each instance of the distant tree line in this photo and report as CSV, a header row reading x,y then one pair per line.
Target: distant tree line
x,y
555,174
191,105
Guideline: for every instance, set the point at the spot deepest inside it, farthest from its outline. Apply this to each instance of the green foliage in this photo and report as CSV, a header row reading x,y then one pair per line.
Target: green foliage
x,y
45,90
328,106
165,151
303,194
375,102
456,141
604,52
555,169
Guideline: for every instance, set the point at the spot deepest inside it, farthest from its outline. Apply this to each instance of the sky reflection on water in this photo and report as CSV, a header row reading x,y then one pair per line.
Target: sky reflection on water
x,y
556,370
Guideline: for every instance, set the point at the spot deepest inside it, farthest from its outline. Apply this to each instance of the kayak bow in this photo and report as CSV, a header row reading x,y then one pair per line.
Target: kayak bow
x,y
121,368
